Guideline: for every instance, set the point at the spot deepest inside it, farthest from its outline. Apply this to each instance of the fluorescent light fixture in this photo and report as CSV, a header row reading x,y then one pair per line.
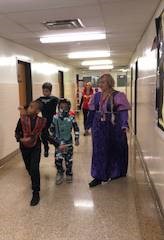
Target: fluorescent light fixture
x,y
89,54
101,67
96,62
73,37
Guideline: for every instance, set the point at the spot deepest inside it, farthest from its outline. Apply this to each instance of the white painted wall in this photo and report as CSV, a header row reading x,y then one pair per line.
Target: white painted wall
x,y
42,70
150,137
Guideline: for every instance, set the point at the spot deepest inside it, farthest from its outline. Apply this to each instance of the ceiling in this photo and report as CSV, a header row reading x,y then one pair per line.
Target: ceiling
x,y
124,22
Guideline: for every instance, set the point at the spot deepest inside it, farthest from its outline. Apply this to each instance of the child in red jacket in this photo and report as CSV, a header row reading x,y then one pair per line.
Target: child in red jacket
x,y
27,133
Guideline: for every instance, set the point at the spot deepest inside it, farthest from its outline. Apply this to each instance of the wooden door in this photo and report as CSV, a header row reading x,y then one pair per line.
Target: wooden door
x,y
61,84
22,84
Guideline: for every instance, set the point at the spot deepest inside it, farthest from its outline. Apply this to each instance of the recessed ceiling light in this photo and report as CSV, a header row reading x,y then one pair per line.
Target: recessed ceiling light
x,y
88,54
101,67
96,62
73,37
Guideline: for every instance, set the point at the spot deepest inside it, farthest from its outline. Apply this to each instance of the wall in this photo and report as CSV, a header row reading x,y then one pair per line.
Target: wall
x,y
150,137
114,73
43,69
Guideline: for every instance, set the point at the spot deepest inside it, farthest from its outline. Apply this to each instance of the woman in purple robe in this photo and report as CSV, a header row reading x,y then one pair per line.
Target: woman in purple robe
x,y
108,120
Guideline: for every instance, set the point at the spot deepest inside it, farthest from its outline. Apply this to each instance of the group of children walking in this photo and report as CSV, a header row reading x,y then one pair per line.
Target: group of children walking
x,y
54,127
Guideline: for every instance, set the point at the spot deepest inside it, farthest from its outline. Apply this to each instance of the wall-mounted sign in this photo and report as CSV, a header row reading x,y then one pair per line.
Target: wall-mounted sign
x,y
121,80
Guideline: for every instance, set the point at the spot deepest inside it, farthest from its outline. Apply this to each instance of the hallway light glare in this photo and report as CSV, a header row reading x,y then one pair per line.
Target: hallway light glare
x,y
101,67
64,69
88,54
96,62
7,61
44,68
73,37
123,70
24,58
148,62
48,69
84,204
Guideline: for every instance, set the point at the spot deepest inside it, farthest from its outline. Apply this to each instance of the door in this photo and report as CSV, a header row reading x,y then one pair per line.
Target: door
x,y
61,84
24,83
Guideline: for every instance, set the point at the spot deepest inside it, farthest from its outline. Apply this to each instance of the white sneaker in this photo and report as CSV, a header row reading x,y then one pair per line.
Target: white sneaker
x,y
69,179
59,178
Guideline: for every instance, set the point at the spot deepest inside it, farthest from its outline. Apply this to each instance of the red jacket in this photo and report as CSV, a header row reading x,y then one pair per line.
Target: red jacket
x,y
31,136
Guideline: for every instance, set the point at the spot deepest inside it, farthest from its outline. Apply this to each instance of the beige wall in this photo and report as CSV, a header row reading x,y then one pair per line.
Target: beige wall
x,y
150,137
42,70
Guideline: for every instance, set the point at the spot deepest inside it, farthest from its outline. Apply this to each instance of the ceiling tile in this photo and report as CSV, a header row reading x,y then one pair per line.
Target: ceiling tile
x,y
56,14
8,26
31,5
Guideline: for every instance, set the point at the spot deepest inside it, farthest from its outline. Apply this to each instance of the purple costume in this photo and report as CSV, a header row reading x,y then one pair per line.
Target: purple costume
x,y
107,119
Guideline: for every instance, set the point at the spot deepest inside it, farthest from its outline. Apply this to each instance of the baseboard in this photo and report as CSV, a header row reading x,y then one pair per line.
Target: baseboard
x,y
9,157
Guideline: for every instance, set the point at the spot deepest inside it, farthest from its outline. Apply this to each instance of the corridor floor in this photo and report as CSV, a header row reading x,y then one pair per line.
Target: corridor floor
x,y
120,210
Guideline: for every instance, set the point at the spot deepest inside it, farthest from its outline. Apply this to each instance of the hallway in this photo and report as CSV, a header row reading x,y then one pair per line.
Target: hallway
x,y
122,209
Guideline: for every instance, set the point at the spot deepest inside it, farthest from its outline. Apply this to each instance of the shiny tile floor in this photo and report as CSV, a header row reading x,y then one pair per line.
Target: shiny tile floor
x,y
120,210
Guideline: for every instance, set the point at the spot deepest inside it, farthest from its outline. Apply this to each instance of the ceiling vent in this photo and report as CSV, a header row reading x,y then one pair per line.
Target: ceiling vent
x,y
63,24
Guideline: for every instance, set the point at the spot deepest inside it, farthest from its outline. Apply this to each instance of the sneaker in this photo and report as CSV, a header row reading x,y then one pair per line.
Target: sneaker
x,y
35,199
94,183
46,154
69,178
59,178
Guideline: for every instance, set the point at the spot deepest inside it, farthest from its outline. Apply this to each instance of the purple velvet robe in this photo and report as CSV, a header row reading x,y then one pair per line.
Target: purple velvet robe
x,y
110,147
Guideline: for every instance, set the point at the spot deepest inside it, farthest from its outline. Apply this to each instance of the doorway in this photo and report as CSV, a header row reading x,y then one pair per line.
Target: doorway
x,y
24,82
61,84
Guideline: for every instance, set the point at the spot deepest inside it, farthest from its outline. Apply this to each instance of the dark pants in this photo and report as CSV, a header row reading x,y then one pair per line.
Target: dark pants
x,y
45,137
67,156
85,115
31,157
